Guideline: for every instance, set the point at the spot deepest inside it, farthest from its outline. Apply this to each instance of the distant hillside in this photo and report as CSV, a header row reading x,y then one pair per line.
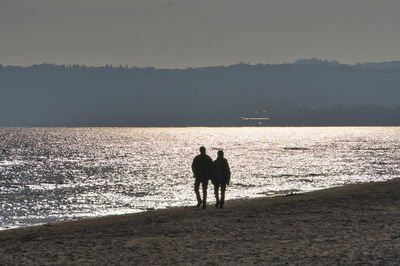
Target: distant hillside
x,y
371,65
314,92
382,65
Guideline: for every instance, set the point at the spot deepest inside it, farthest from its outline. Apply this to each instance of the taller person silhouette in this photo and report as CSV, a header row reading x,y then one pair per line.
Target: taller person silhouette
x,y
201,167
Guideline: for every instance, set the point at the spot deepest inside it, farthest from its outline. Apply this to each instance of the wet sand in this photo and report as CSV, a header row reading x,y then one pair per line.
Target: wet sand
x,y
345,225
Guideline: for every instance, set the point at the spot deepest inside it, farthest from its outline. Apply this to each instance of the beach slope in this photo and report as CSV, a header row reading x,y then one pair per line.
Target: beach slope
x,y
344,225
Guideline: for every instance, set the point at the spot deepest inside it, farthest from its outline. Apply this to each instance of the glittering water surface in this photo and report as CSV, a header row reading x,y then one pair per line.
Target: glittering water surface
x,y
50,174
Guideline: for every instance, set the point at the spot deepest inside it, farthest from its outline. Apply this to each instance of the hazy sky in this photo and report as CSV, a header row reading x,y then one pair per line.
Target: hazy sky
x,y
183,33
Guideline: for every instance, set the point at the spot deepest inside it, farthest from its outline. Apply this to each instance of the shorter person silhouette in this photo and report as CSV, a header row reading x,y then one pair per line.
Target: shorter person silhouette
x,y
220,178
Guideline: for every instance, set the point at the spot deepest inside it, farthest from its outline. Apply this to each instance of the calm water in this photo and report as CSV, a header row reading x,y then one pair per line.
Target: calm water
x,y
50,174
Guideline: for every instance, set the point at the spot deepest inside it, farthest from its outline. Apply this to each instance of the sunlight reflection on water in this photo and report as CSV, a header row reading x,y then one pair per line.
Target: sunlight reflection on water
x,y
50,174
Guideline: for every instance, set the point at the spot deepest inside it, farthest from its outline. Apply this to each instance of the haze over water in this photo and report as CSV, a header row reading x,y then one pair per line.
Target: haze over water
x,y
51,174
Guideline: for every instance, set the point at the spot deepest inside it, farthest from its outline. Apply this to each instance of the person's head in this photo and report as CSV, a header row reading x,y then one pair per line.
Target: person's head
x,y
220,154
202,150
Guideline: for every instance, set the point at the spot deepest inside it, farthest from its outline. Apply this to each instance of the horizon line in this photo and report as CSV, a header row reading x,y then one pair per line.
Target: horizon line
x,y
301,61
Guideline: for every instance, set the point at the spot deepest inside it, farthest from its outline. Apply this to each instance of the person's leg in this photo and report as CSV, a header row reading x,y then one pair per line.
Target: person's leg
x,y
223,188
204,185
216,188
196,191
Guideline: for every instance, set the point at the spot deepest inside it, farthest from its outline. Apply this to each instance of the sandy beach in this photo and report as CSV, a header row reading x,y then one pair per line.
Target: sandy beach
x,y
344,225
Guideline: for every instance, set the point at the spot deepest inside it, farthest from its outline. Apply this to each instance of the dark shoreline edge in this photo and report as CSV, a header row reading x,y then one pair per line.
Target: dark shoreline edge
x,y
80,218
234,202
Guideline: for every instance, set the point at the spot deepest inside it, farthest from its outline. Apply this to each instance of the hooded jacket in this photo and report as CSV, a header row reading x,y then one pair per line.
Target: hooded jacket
x,y
220,171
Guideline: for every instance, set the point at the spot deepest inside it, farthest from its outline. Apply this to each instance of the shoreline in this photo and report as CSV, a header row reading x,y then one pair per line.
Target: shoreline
x,y
210,205
356,223
283,193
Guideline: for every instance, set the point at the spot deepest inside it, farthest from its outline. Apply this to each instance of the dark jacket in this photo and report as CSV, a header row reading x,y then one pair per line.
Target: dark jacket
x,y
201,166
220,171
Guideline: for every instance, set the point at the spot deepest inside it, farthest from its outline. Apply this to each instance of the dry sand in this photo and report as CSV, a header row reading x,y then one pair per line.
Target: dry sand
x,y
346,225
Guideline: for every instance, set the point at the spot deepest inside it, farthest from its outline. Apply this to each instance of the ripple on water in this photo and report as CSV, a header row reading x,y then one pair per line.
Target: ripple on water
x,y
50,174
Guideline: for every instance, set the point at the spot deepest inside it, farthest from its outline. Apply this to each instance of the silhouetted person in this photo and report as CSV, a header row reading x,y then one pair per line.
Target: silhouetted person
x,y
221,177
201,168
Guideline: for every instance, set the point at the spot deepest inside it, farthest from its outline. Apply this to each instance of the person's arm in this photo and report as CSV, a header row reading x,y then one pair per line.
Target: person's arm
x,y
194,167
228,173
211,164
212,171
